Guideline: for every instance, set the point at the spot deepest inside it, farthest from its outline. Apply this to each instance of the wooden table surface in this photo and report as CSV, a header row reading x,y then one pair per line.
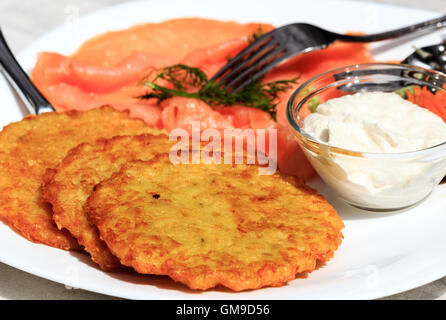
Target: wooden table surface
x,y
26,20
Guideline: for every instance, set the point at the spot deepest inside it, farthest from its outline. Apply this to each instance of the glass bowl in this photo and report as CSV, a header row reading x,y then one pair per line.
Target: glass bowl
x,y
371,181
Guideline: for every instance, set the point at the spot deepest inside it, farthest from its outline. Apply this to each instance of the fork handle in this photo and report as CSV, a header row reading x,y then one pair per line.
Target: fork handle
x,y
426,25
34,101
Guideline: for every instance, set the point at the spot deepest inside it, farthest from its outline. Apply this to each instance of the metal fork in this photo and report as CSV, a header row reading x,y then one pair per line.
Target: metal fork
x,y
34,101
290,40
430,57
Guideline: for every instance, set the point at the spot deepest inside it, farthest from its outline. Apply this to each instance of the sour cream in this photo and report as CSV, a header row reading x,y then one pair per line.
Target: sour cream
x,y
376,122
379,122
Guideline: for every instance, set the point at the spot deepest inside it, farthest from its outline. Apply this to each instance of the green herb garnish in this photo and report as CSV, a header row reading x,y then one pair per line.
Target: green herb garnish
x,y
402,92
306,91
313,103
256,35
192,82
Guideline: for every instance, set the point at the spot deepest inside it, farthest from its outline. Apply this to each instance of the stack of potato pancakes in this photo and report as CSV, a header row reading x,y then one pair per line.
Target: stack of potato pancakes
x,y
102,182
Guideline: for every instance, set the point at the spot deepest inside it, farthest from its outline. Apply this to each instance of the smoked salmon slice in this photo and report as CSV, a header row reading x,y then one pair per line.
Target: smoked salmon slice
x,y
131,69
177,37
53,68
211,59
179,112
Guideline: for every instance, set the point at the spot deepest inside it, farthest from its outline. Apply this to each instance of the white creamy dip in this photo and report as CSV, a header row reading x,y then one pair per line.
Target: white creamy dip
x,y
379,122
376,122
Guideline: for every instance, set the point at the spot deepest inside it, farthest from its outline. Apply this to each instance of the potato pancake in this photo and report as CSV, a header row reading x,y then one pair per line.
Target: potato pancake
x,y
68,187
214,224
30,146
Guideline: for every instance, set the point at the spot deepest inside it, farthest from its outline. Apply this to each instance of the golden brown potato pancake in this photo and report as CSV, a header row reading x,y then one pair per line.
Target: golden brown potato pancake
x,y
215,224
30,146
71,183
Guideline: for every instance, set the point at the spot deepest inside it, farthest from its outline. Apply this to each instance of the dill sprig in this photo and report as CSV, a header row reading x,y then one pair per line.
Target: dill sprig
x,y
256,35
190,82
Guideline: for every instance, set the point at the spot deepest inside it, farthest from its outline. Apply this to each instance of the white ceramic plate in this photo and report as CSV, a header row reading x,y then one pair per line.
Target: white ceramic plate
x,y
380,255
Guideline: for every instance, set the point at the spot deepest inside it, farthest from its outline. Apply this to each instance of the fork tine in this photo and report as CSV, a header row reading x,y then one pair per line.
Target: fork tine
x,y
262,71
255,58
257,65
261,42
